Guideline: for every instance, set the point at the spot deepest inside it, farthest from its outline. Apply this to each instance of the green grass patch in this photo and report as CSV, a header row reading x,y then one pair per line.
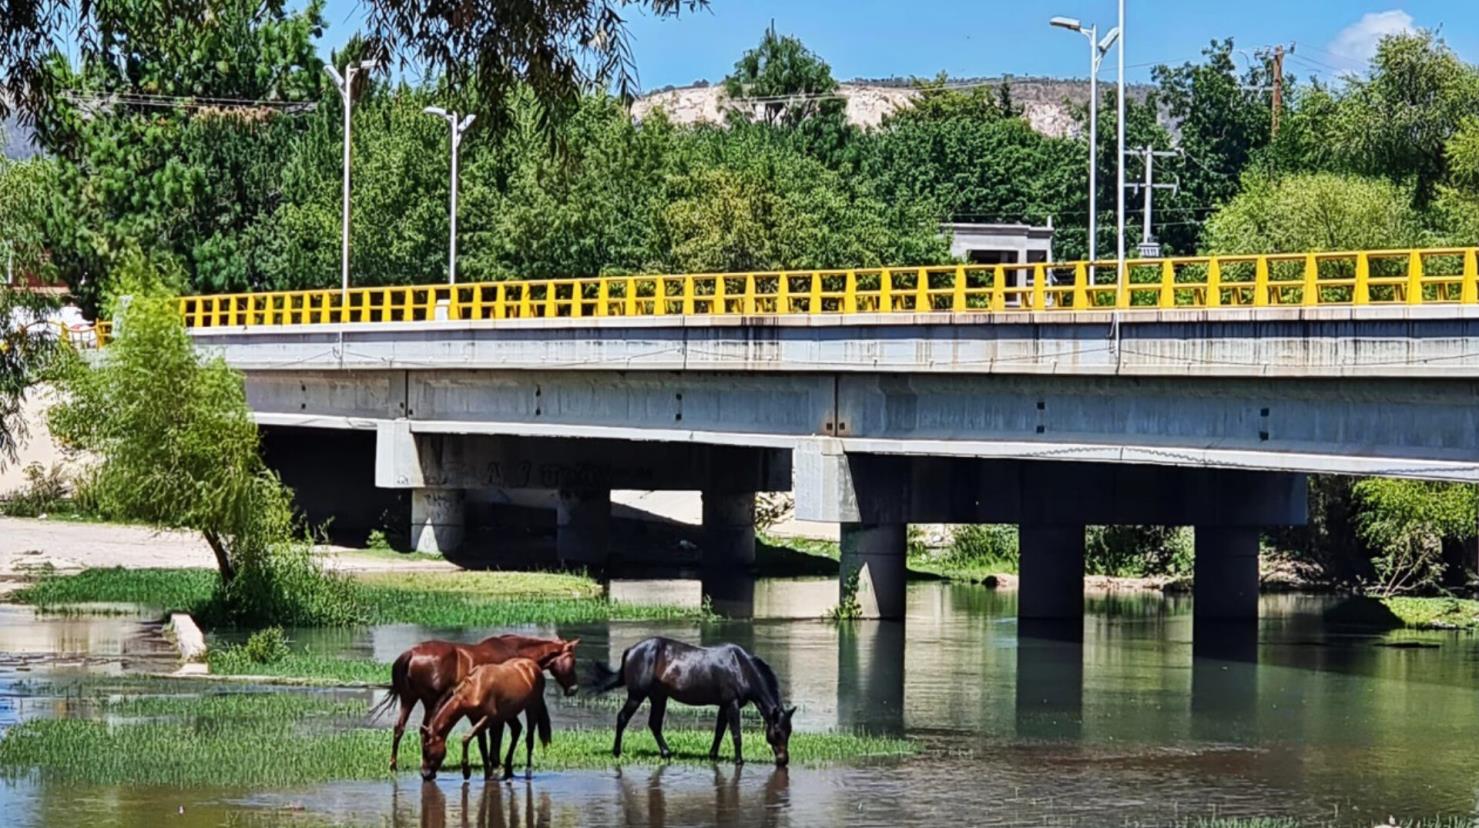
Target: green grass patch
x,y
282,739
1435,613
438,599
301,665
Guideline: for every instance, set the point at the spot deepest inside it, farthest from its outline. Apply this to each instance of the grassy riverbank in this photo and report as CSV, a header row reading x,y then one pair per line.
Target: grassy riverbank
x,y
438,599
967,559
280,739
1435,613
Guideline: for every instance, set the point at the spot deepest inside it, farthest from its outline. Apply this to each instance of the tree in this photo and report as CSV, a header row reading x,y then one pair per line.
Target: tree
x,y
1397,123
782,84
557,48
193,463
1408,524
27,345
1314,212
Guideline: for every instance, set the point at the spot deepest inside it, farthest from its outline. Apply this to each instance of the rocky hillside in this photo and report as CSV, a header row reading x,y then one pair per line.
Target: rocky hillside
x,y
1047,103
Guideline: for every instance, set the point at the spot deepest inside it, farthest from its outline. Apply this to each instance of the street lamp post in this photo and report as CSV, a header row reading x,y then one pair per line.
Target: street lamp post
x,y
457,127
1119,191
345,83
1097,50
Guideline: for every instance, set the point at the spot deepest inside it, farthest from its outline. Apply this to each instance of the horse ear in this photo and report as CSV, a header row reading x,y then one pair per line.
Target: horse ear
x,y
570,645
790,711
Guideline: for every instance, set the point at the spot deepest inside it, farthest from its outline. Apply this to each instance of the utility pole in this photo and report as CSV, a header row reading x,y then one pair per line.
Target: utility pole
x,y
1149,248
1097,50
1278,72
345,84
458,127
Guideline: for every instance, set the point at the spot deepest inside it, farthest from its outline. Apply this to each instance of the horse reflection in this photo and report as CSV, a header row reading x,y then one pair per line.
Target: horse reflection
x,y
646,800
498,806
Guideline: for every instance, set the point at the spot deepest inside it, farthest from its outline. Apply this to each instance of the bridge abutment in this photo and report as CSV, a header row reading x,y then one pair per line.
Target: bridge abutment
x,y
438,520
1051,570
875,553
728,529
1225,570
583,527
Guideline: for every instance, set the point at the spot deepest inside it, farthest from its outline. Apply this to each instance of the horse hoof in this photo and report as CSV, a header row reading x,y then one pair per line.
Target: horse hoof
x,y
508,775
467,773
665,754
738,761
714,757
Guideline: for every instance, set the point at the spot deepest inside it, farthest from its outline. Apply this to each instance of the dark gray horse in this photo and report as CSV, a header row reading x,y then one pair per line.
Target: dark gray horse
x,y
726,676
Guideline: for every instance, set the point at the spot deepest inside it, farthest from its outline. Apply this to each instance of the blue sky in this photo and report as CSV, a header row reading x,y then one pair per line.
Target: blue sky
x,y
882,38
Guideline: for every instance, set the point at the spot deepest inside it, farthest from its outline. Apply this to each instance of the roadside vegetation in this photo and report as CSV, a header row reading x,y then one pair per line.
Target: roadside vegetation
x,y
260,739
433,599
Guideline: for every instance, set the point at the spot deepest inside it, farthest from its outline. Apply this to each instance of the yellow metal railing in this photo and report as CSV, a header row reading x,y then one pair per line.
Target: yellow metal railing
x,y
1386,277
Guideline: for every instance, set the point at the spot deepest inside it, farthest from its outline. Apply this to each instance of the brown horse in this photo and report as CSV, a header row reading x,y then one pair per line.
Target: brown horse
x,y
429,671
491,695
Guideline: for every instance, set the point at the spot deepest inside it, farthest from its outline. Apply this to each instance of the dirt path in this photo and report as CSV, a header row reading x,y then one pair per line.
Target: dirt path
x,y
27,544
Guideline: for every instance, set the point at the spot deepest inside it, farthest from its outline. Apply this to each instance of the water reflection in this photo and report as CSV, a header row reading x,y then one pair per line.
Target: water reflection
x,y
1050,679
870,677
1224,681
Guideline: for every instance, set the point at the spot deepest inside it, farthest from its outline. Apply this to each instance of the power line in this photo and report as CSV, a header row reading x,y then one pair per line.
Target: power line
x,y
184,102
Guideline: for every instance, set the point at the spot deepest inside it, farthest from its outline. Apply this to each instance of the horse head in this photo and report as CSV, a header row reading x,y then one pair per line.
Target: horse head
x,y
561,664
433,752
778,734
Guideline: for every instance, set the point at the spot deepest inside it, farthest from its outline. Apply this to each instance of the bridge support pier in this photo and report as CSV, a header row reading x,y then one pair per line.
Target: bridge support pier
x,y
729,530
437,520
875,552
583,527
1052,571
1225,572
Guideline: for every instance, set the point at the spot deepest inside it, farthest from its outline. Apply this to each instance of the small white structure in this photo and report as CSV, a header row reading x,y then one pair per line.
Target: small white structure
x,y
979,243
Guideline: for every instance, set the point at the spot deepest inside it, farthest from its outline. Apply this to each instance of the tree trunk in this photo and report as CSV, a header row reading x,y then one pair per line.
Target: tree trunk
x,y
223,561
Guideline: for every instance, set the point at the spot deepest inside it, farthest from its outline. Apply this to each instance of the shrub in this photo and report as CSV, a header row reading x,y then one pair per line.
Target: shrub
x,y
1137,551
1406,524
45,491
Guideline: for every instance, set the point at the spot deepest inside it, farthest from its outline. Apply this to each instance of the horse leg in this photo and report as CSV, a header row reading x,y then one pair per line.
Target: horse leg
x,y
634,701
734,730
529,744
497,748
400,730
477,730
720,722
654,723
483,750
513,744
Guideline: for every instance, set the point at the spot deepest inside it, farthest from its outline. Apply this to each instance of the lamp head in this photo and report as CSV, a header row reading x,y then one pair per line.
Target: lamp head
x,y
435,110
1109,39
1069,23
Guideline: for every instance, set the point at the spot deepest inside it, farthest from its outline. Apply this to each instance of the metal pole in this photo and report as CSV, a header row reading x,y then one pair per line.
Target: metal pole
x,y
452,245
345,93
1094,57
1149,191
1119,190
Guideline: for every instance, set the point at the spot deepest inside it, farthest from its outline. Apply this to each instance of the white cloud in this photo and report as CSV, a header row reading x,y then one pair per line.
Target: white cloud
x,y
1357,42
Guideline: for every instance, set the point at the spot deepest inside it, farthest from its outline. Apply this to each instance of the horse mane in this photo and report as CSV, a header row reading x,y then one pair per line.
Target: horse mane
x,y
767,676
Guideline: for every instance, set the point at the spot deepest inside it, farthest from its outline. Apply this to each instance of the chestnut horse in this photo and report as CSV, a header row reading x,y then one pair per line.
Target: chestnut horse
x,y
728,676
429,671
491,696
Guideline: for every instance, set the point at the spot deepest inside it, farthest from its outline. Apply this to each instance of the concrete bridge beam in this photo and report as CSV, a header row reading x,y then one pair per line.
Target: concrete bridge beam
x,y
874,553
583,527
437,520
728,529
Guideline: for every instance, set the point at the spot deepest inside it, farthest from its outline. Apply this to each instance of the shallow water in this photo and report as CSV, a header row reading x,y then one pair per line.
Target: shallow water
x,y
1128,722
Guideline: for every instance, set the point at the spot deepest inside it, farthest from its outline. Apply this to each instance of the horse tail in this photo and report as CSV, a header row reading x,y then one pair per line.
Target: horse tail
x,y
541,721
604,679
399,684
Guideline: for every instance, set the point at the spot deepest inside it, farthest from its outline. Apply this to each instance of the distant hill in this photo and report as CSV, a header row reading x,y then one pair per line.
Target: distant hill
x,y
1047,103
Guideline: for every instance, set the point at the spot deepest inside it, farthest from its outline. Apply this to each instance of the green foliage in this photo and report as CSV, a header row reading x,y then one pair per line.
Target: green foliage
x,y
192,464
378,541
45,491
848,608
1137,551
263,648
27,345
1406,523
1314,212
974,553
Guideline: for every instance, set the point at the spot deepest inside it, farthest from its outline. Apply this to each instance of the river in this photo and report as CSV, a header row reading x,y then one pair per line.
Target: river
x,y
1129,723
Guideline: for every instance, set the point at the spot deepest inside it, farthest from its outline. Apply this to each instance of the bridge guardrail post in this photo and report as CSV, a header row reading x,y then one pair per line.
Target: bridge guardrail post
x,y
1310,293
1415,278
1214,283
1362,295
957,298
1469,287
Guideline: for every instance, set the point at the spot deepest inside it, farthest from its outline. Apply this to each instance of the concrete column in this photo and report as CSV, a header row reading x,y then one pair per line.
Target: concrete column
x,y
875,553
1226,574
583,527
729,530
1050,679
437,520
1051,572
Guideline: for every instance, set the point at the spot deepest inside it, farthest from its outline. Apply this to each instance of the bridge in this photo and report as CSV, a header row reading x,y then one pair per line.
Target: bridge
x,y
1181,391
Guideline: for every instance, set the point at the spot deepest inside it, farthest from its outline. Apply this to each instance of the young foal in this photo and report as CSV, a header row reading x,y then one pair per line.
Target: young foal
x,y
427,672
727,676
491,695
